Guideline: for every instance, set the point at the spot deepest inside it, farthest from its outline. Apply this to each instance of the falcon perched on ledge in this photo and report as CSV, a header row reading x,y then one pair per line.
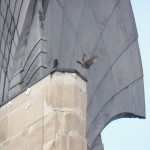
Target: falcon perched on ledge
x,y
88,63
55,63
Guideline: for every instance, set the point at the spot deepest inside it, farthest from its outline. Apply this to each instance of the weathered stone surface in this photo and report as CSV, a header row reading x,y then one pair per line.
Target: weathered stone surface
x,y
3,128
61,142
16,143
27,111
52,125
35,136
70,30
30,104
28,117
71,122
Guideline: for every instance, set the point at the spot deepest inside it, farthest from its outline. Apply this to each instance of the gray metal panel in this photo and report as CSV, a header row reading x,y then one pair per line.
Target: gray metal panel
x,y
67,30
53,30
125,14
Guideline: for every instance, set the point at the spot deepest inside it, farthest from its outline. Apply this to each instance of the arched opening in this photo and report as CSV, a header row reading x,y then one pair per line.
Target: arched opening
x,y
125,134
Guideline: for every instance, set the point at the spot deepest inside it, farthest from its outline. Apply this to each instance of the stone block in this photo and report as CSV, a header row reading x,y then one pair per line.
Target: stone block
x,y
18,142
51,145
13,104
69,97
26,114
52,125
73,143
70,78
61,142
71,122
49,115
63,94
77,100
48,101
84,144
3,128
35,136
57,96
76,143
81,84
83,99
58,78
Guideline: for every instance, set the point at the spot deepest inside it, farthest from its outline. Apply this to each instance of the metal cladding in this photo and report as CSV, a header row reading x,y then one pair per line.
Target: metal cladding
x,y
100,34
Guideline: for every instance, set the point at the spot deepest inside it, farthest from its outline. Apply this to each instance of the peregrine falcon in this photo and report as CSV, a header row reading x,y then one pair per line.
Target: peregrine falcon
x,y
87,64
55,63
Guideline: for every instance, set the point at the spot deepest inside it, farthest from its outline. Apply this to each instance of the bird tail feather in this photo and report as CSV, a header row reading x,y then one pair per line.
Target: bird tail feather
x,y
79,62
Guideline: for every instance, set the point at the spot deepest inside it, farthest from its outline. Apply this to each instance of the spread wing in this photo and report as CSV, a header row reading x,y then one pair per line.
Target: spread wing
x,y
104,28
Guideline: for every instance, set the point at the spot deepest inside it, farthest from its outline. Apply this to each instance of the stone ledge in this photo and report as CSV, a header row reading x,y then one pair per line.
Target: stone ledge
x,y
53,108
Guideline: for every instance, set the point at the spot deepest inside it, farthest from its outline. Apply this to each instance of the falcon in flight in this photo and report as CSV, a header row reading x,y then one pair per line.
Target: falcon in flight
x,y
88,63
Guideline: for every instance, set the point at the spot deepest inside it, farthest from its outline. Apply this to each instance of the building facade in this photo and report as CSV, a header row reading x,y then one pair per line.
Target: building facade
x,y
99,34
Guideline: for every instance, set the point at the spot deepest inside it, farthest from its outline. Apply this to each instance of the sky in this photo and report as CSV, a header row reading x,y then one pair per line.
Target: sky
x,y
134,134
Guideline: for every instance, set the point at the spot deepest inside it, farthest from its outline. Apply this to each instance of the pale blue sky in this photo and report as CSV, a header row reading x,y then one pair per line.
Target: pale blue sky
x,y
134,134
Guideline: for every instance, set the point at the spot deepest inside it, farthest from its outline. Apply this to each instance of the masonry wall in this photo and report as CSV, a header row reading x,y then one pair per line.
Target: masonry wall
x,y
33,33
50,115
